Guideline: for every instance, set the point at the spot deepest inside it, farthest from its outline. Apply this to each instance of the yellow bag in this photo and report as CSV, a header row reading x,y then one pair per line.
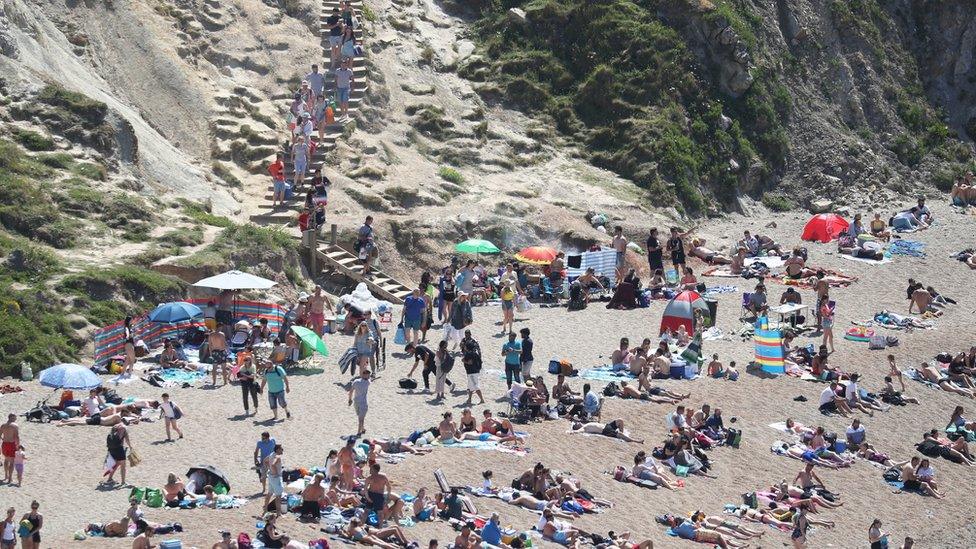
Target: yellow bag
x,y
134,458
508,294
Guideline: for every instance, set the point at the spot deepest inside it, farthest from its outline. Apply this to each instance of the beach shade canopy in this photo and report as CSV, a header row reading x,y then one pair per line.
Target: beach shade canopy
x,y
235,280
311,339
769,348
176,311
69,376
476,246
213,475
536,255
680,311
824,227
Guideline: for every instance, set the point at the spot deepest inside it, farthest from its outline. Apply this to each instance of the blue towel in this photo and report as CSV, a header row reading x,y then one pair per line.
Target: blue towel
x,y
179,375
907,247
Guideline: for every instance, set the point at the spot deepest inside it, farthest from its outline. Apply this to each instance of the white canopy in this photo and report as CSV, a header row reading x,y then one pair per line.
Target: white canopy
x,y
362,299
235,280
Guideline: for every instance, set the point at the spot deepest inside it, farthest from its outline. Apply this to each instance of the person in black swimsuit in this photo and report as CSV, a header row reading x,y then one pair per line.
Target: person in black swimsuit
x,y
655,253
33,538
676,247
448,292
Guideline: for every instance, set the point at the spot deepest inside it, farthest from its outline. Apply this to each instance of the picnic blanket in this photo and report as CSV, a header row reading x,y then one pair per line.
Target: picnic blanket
x,y
910,248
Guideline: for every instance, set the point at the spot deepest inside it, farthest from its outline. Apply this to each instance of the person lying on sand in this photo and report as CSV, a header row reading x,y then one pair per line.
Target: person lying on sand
x,y
395,446
802,453
532,503
957,451
862,249
655,393
378,537
685,529
613,429
784,491
707,255
647,468
556,530
110,416
867,452
799,429
762,516
725,526
934,375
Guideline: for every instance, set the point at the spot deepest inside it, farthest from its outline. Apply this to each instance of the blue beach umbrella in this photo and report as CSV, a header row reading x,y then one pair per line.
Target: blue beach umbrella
x,y
69,376
177,311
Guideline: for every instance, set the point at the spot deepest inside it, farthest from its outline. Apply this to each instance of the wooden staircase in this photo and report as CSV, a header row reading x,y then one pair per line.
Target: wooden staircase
x,y
337,258
330,256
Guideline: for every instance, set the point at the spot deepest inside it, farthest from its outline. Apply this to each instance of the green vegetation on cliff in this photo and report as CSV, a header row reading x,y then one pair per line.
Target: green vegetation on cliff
x,y
625,85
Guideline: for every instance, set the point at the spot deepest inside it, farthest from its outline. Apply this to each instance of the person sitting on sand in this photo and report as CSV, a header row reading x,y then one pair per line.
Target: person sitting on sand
x,y
796,266
934,375
879,229
657,283
621,356
563,393
738,262
911,482
959,422
613,429
923,301
556,530
907,221
707,255
715,368
447,429
890,396
173,490
688,280
757,301
767,244
169,358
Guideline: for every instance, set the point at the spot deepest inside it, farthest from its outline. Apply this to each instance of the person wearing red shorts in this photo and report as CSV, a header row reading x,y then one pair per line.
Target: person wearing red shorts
x,y
9,441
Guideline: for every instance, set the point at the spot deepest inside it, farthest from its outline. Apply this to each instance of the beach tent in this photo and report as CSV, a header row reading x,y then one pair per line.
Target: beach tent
x,y
824,227
680,311
213,476
769,348
235,280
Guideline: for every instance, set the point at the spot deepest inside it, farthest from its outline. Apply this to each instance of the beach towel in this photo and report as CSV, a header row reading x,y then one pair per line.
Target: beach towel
x,y
771,261
605,373
720,272
883,260
910,248
914,374
485,445
181,376
716,290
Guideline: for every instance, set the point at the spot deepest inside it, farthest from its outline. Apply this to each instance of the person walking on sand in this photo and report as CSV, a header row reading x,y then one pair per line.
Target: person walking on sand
x,y
9,442
171,413
471,359
526,358
264,448
8,530
276,487
217,343
276,379
118,445
358,390
512,351
827,324
31,539
317,304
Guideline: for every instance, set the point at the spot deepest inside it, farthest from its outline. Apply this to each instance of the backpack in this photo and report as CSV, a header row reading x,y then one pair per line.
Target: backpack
x,y
407,383
877,341
554,367
891,475
611,389
751,500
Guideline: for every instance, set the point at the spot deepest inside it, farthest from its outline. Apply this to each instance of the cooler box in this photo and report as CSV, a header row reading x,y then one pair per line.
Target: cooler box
x,y
677,371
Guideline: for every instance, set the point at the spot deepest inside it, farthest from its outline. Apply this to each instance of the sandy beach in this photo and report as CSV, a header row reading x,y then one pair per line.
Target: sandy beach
x,y
64,464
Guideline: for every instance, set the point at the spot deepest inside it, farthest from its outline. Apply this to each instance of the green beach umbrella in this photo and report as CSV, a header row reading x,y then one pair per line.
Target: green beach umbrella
x,y
476,246
311,339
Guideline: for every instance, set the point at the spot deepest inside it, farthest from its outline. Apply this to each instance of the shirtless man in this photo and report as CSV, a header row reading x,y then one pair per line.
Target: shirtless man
x,y
10,437
707,255
806,477
447,429
911,481
217,343
273,466
589,280
661,363
141,540
933,375
377,488
923,301
638,362
467,539
620,357
225,541
347,463
738,262
312,497
396,446
316,309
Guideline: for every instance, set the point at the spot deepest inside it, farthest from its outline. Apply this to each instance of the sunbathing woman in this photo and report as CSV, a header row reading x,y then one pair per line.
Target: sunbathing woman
x,y
933,375
626,391
622,541
532,503
800,429
111,415
647,469
396,446
959,422
707,255
685,529
784,490
374,536
447,429
802,453
725,526
761,516
613,429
